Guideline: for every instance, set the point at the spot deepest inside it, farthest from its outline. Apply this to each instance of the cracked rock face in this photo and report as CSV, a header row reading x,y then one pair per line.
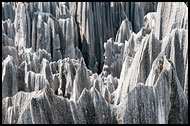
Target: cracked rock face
x,y
94,63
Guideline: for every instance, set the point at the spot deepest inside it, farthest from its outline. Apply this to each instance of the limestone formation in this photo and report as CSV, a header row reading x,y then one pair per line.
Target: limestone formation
x,y
81,80
140,66
113,57
9,85
178,13
94,62
124,31
176,49
8,11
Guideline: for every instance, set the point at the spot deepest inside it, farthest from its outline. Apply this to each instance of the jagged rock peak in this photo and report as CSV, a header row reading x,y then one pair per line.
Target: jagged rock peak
x,y
94,63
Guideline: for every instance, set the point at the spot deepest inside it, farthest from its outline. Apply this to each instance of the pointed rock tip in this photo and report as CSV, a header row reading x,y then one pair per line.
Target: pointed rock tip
x,y
82,62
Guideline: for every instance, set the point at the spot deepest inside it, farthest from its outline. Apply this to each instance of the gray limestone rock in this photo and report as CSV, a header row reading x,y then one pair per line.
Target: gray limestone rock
x,y
176,49
170,15
131,47
11,51
133,44
22,26
65,13
45,107
136,16
94,63
45,34
35,82
140,66
45,70
95,109
87,17
124,31
18,102
20,76
162,96
62,79
68,36
69,67
55,83
149,7
6,41
81,80
78,54
8,12
9,85
106,85
8,30
140,9
150,21
53,67
186,82
33,59
113,57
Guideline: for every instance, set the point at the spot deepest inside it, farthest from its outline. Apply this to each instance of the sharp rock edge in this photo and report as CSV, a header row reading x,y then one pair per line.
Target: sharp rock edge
x,y
94,63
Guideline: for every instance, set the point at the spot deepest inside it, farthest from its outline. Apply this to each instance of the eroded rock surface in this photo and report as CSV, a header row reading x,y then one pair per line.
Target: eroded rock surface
x,y
94,63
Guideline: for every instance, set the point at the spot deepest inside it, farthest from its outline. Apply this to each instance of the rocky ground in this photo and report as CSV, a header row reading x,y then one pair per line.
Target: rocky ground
x,y
94,62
